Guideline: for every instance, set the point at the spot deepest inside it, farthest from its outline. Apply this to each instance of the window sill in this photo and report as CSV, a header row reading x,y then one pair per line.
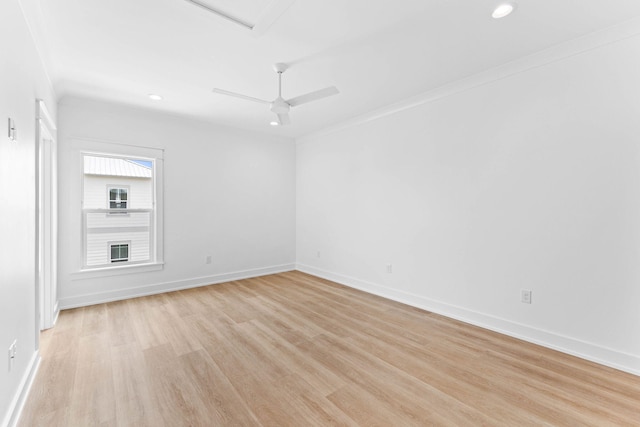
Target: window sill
x,y
91,273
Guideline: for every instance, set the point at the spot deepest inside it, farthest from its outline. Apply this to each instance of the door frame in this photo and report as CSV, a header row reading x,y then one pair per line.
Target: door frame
x,y
46,219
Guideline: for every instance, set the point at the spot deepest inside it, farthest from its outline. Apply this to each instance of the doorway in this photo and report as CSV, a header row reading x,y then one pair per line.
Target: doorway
x,y
46,219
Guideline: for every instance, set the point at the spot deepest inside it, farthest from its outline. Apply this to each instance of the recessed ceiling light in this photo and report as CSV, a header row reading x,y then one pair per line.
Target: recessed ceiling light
x,y
274,123
155,97
503,10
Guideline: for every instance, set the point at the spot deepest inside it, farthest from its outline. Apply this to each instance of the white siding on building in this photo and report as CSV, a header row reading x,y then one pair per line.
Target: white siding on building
x,y
98,246
101,222
95,195
102,228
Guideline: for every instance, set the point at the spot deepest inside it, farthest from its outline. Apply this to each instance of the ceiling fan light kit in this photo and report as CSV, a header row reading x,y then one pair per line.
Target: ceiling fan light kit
x,y
503,10
281,106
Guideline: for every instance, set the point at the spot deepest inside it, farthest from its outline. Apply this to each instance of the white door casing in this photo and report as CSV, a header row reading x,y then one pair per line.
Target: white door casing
x,y
47,221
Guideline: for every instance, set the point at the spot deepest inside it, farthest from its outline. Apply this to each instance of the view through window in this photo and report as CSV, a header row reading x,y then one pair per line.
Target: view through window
x,y
118,210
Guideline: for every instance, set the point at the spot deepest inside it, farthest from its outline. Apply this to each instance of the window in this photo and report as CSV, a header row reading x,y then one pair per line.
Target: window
x,y
119,252
125,230
118,198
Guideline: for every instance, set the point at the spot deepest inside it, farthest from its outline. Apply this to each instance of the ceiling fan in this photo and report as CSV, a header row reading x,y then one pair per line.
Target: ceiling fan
x,y
281,106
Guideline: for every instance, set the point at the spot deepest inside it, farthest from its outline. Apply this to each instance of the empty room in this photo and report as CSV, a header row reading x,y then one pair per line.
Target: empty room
x,y
312,213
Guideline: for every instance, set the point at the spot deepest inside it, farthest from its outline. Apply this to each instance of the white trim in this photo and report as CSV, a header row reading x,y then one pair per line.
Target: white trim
x,y
585,350
43,114
93,147
140,291
559,52
104,147
46,218
92,273
17,403
56,313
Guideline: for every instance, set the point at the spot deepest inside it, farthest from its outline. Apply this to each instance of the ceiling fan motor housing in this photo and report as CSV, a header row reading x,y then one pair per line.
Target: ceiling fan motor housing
x,y
280,106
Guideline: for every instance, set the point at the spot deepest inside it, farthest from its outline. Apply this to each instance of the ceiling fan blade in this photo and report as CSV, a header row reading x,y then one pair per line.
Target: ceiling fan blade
x,y
313,96
284,119
241,96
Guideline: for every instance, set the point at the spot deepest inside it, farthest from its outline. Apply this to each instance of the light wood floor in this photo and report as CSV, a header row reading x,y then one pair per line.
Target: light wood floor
x,y
294,350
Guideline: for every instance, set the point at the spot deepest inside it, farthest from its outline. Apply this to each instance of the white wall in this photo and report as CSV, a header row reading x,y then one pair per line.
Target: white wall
x,y
531,181
227,193
22,80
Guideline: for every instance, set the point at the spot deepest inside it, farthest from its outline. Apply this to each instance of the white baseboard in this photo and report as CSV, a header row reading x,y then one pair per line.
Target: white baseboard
x,y
17,403
585,350
120,294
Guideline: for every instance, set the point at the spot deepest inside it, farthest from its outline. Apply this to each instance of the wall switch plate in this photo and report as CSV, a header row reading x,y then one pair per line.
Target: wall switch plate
x,y
12,133
209,259
525,296
12,353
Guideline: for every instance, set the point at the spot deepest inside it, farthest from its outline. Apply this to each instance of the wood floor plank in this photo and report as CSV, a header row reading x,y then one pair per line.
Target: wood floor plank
x,y
408,397
134,405
148,331
91,400
224,404
294,350
119,323
315,407
175,396
323,380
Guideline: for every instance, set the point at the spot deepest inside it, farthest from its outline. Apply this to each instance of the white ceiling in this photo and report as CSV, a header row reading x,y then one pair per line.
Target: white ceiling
x,y
377,52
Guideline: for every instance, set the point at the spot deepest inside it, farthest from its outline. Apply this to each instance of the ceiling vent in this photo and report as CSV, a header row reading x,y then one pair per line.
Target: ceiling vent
x,y
252,15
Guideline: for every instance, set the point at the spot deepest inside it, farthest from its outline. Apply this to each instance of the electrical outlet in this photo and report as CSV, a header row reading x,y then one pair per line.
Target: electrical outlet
x,y
389,268
525,296
209,259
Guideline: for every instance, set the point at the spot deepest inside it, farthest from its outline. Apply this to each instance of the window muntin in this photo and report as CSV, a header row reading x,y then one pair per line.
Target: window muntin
x,y
119,252
118,198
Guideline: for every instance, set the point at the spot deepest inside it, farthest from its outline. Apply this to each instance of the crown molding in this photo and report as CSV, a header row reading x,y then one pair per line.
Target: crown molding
x,y
557,53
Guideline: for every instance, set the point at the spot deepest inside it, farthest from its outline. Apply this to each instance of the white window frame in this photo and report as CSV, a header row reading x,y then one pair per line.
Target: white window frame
x,y
84,147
